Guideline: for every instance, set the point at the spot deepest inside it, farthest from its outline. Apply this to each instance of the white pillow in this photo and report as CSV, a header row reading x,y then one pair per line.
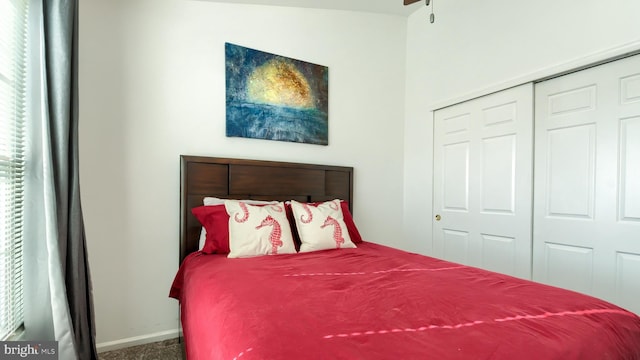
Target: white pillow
x,y
258,230
210,201
321,227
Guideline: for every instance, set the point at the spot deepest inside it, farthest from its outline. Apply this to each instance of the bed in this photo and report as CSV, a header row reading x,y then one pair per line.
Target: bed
x,y
368,301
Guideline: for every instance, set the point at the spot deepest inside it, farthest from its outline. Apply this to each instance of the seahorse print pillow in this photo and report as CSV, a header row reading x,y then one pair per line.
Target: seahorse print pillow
x,y
258,230
214,201
321,227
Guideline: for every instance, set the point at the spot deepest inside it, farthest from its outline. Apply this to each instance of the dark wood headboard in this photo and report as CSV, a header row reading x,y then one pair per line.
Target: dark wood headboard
x,y
253,179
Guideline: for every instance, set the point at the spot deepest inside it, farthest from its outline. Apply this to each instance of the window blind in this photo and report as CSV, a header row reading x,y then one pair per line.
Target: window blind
x,y
13,37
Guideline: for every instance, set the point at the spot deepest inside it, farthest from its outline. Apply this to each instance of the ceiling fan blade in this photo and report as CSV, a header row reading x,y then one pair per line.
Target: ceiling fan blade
x,y
409,2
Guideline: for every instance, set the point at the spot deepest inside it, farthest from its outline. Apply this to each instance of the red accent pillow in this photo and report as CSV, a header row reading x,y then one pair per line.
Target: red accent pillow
x,y
215,220
351,226
354,234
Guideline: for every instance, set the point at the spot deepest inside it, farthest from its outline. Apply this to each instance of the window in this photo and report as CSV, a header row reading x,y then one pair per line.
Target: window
x,y
13,33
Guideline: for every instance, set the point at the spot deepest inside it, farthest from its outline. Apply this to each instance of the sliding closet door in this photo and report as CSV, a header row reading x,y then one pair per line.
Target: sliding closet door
x,y
482,182
587,182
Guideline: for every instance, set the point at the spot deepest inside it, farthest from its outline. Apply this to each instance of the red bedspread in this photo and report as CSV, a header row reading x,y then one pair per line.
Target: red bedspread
x,y
375,302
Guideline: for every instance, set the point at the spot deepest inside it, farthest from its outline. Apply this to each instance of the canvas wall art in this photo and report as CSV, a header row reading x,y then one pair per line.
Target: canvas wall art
x,y
275,97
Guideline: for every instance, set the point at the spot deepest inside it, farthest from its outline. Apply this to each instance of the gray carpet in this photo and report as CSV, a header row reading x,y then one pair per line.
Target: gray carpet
x,y
162,350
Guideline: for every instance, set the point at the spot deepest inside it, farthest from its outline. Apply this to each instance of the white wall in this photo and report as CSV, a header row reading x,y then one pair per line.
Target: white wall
x,y
477,47
152,88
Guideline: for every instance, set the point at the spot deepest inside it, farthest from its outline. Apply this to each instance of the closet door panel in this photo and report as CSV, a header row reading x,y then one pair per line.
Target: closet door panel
x,y
482,182
629,199
587,182
498,174
570,159
560,257
455,174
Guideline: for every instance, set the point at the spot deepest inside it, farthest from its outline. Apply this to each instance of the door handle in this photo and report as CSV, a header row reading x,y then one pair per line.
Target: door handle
x,y
438,217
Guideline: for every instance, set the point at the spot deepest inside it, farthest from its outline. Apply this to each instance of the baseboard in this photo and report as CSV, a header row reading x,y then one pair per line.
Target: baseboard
x,y
138,340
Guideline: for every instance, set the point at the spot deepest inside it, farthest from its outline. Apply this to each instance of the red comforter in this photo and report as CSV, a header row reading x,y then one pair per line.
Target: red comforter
x,y
375,302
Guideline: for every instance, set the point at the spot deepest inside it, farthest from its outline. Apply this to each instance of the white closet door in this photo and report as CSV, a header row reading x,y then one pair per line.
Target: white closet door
x,y
482,182
587,182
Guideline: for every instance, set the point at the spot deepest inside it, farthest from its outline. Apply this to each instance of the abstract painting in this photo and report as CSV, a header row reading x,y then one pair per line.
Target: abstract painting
x,y
275,97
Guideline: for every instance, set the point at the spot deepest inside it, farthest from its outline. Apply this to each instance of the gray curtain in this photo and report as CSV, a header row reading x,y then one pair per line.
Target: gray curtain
x,y
58,299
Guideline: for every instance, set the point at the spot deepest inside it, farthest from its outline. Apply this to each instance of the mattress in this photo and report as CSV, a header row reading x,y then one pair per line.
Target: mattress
x,y
376,302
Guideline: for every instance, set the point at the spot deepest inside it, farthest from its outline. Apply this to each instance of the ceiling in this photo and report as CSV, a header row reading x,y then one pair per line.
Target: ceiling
x,y
392,7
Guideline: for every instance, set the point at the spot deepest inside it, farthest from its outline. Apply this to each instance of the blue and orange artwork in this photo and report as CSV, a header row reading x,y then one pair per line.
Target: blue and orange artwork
x,y
275,98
